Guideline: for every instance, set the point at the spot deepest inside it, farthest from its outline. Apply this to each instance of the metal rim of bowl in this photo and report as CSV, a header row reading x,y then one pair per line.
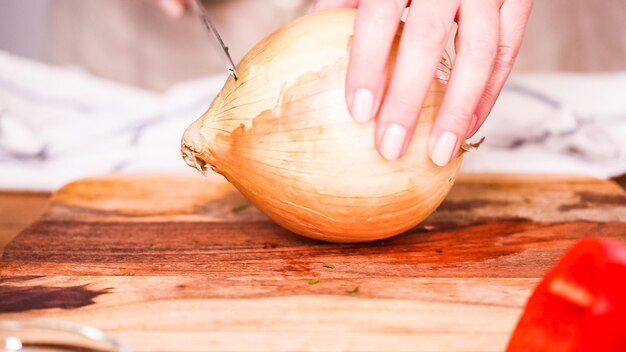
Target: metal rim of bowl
x,y
89,332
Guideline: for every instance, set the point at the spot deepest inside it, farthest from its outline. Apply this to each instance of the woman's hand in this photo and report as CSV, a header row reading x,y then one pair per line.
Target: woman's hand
x,y
489,36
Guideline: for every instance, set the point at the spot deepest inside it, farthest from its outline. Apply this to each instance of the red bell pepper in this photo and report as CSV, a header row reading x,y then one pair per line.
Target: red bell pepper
x,y
580,305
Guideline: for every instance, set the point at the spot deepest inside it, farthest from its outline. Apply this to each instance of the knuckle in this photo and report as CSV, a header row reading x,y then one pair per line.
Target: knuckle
x,y
489,94
481,49
527,5
381,12
459,116
505,58
406,102
369,65
428,32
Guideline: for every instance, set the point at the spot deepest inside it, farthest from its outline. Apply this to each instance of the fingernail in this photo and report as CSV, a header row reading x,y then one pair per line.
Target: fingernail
x,y
443,148
393,142
362,105
472,125
172,8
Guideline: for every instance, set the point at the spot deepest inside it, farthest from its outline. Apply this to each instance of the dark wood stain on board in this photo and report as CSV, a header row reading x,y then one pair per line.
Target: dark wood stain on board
x,y
25,298
464,205
621,180
588,200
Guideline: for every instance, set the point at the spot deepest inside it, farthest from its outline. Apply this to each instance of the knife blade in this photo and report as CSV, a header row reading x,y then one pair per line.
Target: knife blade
x,y
218,42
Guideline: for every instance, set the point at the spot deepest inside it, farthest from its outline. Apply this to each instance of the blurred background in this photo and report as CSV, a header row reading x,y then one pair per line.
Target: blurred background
x,y
91,87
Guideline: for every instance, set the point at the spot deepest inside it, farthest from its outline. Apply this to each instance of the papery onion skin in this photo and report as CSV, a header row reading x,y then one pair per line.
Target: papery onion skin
x,y
282,134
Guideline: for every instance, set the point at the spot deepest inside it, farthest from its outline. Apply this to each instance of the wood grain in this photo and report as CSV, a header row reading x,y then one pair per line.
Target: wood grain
x,y
195,313
165,264
18,210
262,249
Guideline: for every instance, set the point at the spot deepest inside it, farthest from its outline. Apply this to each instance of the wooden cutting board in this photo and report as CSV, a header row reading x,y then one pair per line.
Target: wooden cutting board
x,y
165,264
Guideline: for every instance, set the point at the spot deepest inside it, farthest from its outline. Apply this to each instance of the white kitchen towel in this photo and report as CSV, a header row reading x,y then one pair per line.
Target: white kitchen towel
x,y
59,124
556,123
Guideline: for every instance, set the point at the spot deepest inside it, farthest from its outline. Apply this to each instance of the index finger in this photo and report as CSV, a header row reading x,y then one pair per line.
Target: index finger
x,y
374,31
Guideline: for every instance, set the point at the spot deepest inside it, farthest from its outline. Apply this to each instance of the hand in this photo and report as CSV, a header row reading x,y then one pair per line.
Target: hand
x,y
172,8
488,40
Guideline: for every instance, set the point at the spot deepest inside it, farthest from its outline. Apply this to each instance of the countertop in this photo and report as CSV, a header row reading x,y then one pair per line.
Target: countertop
x,y
164,263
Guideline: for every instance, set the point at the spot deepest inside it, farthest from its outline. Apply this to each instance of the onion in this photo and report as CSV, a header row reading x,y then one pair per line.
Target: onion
x,y
282,134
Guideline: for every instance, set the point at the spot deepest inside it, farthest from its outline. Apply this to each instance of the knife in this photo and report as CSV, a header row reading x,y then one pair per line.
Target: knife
x,y
219,43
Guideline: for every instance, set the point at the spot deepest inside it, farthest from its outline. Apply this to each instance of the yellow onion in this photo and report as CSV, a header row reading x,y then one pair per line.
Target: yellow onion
x,y
282,134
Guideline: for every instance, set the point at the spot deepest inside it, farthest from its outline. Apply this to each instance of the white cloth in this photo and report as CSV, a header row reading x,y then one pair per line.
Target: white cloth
x,y
556,123
61,124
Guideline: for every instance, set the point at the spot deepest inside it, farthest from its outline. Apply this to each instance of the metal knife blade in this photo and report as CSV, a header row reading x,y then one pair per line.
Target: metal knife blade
x,y
219,43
